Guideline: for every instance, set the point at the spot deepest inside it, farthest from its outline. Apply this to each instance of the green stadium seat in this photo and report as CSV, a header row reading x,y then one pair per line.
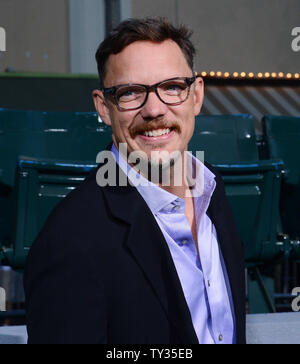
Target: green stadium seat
x,y
54,135
40,185
63,136
225,138
252,186
253,190
283,137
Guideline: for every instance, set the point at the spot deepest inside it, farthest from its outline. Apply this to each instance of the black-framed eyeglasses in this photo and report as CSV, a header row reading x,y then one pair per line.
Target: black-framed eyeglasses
x,y
173,92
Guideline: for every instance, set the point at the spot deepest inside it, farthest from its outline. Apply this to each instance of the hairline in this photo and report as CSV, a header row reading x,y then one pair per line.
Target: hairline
x,y
146,41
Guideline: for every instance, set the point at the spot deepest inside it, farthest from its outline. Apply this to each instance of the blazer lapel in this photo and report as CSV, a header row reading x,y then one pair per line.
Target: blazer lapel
x,y
148,246
149,249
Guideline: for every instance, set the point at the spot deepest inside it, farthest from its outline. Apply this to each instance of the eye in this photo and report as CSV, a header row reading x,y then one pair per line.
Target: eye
x,y
174,87
130,93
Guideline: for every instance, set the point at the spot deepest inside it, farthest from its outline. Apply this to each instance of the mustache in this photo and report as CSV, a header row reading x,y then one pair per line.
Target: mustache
x,y
154,125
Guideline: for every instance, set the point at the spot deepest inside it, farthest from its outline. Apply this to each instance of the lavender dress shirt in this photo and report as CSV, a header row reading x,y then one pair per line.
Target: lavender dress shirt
x,y
203,279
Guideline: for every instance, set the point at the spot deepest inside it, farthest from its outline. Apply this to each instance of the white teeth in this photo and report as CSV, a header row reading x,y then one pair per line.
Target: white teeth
x,y
157,133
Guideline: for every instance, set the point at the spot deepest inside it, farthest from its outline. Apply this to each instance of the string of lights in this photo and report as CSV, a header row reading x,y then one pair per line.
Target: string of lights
x,y
250,75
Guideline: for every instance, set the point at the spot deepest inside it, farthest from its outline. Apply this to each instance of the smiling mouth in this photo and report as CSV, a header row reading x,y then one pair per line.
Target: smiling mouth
x,y
157,133
156,129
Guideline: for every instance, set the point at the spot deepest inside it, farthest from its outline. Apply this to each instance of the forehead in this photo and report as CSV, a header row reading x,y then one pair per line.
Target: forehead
x,y
146,62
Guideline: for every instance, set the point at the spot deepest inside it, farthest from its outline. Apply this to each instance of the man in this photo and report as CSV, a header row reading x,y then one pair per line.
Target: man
x,y
142,262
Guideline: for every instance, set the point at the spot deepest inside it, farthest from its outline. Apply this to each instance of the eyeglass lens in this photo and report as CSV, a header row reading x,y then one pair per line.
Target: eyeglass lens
x,y
170,92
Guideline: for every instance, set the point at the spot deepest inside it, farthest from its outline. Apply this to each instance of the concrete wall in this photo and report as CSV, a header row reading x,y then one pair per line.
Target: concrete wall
x,y
230,35
235,35
37,35
86,30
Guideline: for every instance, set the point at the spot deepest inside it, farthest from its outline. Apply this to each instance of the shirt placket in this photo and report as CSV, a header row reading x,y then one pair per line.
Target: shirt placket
x,y
183,235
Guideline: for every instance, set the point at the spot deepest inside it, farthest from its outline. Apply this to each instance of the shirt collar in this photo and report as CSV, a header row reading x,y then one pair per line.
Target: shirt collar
x,y
159,199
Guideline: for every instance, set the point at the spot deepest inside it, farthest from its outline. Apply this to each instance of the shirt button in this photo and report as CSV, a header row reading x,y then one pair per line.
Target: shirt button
x,y
220,337
177,208
209,284
184,242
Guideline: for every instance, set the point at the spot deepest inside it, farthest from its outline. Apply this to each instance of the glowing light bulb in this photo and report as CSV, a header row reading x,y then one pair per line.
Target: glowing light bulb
x,y
235,74
251,75
260,75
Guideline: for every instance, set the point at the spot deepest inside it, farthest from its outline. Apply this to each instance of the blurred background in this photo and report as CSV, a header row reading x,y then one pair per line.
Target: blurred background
x,y
50,63
247,53
60,36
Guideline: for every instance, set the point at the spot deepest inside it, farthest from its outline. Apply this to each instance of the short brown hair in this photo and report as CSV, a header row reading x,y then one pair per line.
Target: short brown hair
x,y
148,29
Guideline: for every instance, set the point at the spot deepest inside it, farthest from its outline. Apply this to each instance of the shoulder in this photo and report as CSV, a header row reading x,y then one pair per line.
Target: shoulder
x,y
85,199
77,225
80,211
218,175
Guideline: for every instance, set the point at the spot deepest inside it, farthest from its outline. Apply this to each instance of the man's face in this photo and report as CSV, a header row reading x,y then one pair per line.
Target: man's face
x,y
148,63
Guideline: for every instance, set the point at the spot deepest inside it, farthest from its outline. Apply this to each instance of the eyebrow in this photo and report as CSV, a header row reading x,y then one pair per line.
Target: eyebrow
x,y
141,84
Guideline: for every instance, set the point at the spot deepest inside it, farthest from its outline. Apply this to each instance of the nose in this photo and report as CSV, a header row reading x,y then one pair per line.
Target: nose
x,y
154,108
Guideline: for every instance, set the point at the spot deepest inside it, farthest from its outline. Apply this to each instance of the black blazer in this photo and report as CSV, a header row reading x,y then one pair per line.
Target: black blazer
x,y
101,272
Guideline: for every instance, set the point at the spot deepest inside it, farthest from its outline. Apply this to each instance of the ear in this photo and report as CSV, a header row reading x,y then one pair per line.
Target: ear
x,y
198,95
102,106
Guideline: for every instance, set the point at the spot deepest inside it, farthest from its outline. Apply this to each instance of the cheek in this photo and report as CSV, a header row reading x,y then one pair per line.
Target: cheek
x,y
119,132
120,128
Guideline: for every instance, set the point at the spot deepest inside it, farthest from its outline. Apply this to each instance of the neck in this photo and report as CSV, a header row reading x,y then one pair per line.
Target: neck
x,y
176,180
172,179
